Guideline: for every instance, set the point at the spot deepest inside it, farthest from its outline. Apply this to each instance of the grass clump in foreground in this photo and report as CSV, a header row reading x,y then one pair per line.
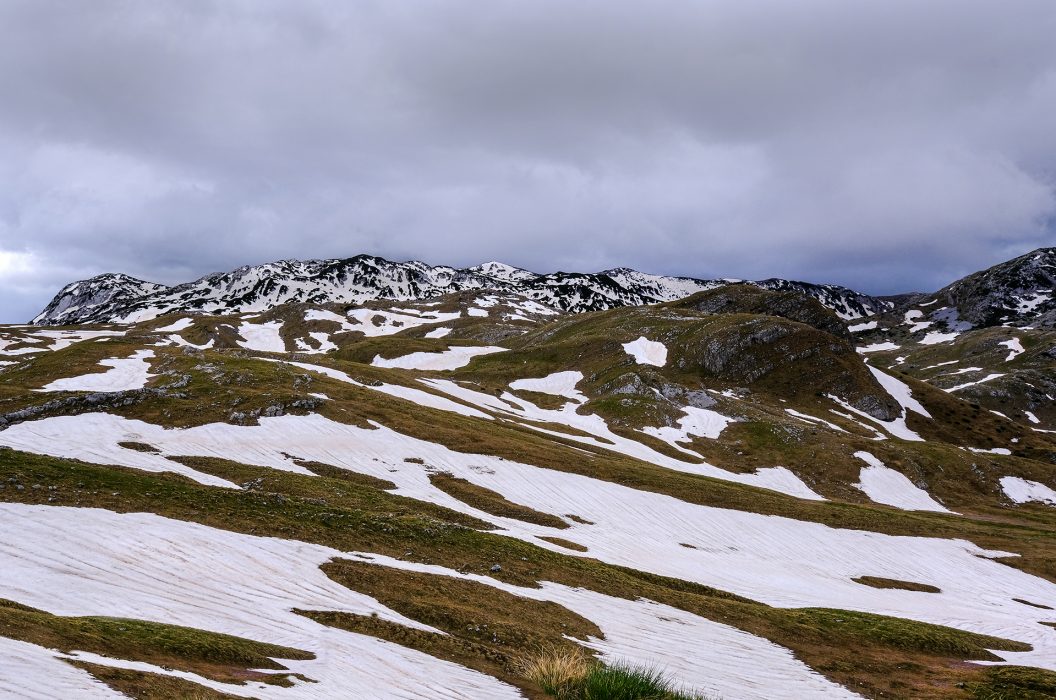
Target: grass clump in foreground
x,y
572,675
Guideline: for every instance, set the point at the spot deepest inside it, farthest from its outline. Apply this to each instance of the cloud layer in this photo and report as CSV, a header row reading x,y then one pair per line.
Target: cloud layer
x,y
887,146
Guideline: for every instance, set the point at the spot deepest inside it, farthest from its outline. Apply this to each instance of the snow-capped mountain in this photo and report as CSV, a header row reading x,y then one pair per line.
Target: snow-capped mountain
x,y
122,299
78,302
1019,292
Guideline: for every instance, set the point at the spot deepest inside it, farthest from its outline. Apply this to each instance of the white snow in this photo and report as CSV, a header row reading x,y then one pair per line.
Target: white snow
x,y
1024,490
883,484
900,392
963,370
701,422
438,333
878,347
87,561
263,337
474,311
980,381
814,420
452,358
377,323
179,340
735,551
647,352
32,672
703,655
1015,348
936,337
325,344
124,374
859,327
179,325
941,364
1031,417
991,451
416,396
556,384
508,405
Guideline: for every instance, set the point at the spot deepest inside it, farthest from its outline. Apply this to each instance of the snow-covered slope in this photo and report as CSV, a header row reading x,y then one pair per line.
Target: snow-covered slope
x,y
1019,292
122,299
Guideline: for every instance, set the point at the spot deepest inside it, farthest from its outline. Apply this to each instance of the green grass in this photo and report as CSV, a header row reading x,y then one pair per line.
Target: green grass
x,y
574,676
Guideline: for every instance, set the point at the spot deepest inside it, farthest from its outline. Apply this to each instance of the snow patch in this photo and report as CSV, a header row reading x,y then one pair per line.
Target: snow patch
x,y
125,374
1024,490
556,384
647,352
883,484
452,358
263,337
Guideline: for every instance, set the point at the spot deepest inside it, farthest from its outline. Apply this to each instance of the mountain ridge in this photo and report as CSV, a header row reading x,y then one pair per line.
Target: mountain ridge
x,y
119,298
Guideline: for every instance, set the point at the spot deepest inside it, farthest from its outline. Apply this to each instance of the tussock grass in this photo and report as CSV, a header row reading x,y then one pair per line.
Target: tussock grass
x,y
572,675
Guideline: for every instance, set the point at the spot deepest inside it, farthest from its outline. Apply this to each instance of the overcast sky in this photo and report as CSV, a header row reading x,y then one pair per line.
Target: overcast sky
x,y
888,146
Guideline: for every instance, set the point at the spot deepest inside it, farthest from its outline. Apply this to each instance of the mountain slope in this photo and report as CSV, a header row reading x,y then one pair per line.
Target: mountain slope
x,y
417,499
120,299
1020,291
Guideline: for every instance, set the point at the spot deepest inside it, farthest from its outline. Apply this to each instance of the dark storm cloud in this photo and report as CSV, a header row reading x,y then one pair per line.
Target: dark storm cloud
x,y
884,145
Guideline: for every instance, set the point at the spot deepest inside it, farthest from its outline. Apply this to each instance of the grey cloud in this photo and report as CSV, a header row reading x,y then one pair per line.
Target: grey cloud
x,y
883,145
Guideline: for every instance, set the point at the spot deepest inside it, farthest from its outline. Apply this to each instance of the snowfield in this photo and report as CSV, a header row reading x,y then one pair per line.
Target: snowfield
x,y
885,485
647,352
263,337
1024,490
733,550
87,561
452,358
124,374
556,384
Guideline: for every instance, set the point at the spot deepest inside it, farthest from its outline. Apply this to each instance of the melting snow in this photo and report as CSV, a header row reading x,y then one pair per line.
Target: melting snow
x,y
701,422
647,352
814,420
263,337
452,358
885,485
125,374
859,327
935,337
1024,490
1015,348
87,561
878,347
181,324
438,333
556,384
980,381
735,551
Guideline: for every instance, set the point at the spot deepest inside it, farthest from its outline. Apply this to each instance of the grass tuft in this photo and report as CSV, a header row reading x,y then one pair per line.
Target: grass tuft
x,y
572,675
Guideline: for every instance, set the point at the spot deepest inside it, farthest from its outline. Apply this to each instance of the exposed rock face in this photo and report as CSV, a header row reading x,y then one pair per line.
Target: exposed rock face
x,y
1019,292
122,299
748,299
787,356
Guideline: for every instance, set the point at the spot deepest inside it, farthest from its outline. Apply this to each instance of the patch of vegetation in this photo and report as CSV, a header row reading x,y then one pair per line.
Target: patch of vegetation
x,y
561,542
491,502
1013,683
143,685
220,657
574,676
881,582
